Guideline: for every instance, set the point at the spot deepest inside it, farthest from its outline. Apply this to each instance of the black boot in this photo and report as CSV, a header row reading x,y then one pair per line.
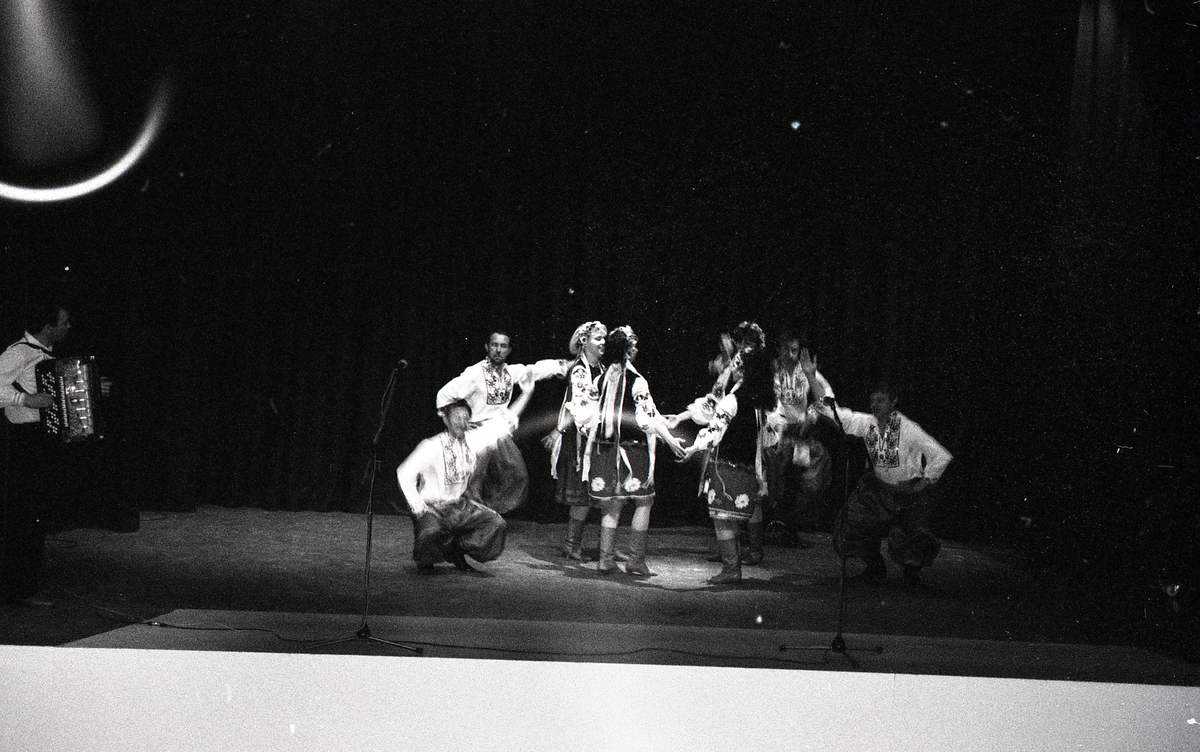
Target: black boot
x,y
637,555
875,573
715,556
731,563
573,543
455,556
608,545
753,555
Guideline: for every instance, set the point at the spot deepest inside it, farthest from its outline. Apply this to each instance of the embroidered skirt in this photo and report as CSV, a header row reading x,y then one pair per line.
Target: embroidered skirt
x,y
620,472
570,488
730,490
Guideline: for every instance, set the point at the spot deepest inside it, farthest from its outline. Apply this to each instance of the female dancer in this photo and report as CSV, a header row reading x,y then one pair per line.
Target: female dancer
x,y
619,463
576,417
732,481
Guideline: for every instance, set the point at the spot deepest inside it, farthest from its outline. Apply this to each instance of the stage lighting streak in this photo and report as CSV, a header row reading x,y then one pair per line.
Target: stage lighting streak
x,y
154,120
51,118
537,424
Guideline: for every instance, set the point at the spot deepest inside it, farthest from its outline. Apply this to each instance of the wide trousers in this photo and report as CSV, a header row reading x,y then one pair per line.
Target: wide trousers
x,y
874,512
461,525
503,479
33,466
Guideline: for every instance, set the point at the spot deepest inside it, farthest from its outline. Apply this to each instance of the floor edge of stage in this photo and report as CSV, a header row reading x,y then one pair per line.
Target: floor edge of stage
x,y
565,641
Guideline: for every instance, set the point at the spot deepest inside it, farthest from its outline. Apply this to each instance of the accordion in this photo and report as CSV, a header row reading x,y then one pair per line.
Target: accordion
x,y
74,383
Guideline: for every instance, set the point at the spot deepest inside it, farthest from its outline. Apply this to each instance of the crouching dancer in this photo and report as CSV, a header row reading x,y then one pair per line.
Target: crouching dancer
x,y
893,500
449,522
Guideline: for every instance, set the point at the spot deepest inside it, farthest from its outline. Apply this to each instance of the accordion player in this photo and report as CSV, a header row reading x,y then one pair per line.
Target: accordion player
x,y
75,385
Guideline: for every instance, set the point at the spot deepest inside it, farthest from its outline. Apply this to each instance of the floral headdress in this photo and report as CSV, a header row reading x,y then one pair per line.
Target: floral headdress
x,y
581,335
620,341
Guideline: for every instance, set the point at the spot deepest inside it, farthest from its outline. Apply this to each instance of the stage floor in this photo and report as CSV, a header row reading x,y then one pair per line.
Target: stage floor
x,y
245,579
578,642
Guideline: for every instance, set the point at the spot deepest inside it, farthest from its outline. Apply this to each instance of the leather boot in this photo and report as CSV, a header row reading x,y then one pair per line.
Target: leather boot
x,y
912,577
608,545
731,563
455,556
572,546
637,555
753,555
874,574
715,556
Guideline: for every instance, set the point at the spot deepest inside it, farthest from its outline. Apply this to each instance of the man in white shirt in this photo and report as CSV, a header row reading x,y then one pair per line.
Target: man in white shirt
x,y
797,464
894,500
487,387
31,456
449,522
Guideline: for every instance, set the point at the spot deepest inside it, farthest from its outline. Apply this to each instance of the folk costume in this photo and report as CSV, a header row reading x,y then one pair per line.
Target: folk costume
x,y
504,479
576,418
452,524
619,461
568,442
32,456
733,483
894,500
797,462
620,456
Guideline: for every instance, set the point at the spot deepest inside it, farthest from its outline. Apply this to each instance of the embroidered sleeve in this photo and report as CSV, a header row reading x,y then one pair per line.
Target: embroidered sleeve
x,y
461,387
583,403
415,474
855,424
645,413
711,435
545,369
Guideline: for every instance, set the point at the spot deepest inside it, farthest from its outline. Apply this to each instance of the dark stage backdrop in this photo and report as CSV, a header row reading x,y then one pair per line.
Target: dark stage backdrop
x,y
991,203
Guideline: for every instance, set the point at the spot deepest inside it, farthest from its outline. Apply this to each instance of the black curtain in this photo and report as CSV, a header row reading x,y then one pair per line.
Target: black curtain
x,y
340,190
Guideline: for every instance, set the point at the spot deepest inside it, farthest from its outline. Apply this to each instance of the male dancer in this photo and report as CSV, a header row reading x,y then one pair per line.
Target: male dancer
x,y
487,388
34,462
894,500
797,464
448,524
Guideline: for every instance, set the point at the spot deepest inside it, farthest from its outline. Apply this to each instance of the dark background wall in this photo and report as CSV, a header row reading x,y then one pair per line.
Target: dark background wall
x,y
992,203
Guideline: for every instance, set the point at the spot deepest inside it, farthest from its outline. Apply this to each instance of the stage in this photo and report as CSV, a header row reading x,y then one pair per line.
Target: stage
x,y
246,579
243,628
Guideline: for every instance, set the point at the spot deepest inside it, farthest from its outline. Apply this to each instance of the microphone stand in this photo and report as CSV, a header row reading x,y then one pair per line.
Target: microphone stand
x,y
838,645
364,629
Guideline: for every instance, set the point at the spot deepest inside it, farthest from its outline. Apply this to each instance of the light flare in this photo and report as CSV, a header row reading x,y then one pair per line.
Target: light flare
x,y
50,116
141,145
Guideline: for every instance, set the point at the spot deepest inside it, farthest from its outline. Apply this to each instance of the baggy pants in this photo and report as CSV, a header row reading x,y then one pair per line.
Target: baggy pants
x,y
462,525
875,511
